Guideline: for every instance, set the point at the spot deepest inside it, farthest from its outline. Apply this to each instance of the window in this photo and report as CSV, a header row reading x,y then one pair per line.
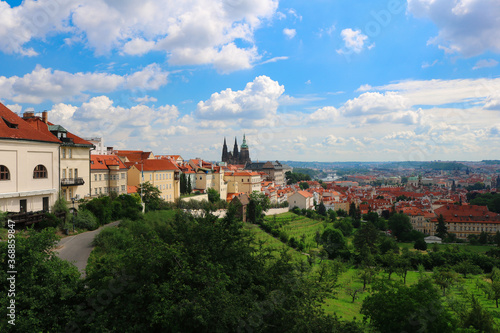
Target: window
x,y
4,173
95,177
123,175
95,190
64,173
123,188
63,150
70,153
40,172
100,177
70,173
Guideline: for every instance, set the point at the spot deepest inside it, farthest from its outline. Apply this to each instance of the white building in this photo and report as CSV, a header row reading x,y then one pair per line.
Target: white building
x,y
29,164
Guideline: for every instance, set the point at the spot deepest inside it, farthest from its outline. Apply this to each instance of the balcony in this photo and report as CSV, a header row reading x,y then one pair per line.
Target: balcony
x,y
72,181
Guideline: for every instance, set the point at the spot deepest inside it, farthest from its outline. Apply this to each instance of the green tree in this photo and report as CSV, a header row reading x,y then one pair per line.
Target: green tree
x,y
394,308
321,209
86,220
303,186
467,267
183,183
189,186
259,203
444,278
333,242
101,208
213,195
345,226
400,225
150,196
365,239
441,229
46,287
420,244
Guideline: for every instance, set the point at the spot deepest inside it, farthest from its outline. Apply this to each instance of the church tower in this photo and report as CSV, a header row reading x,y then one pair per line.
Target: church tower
x,y
244,152
236,154
225,155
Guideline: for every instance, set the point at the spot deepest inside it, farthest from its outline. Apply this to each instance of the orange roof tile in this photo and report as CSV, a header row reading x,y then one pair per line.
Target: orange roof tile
x,y
14,127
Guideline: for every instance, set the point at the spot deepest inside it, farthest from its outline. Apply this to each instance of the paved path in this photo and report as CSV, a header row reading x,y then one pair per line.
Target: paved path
x,y
76,249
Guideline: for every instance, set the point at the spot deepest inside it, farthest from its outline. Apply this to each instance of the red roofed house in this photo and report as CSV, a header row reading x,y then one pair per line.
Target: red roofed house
x,y
243,181
301,199
467,220
108,174
29,164
163,174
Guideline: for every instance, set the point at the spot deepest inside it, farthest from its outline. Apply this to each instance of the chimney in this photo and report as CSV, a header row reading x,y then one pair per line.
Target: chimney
x,y
45,116
28,115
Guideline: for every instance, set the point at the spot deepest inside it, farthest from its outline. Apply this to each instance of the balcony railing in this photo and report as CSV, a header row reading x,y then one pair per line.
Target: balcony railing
x,y
72,181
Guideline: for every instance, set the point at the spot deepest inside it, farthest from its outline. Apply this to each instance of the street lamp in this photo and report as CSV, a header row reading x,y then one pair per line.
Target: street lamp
x,y
73,200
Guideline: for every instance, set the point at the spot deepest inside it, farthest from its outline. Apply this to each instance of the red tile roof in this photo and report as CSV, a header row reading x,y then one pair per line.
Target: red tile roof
x,y
156,165
14,127
100,162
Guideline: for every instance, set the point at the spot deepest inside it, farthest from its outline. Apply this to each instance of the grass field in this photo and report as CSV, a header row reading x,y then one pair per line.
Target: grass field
x,y
299,227
273,243
461,247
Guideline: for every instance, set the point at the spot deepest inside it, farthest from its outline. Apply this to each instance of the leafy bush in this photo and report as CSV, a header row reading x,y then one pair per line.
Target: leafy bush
x,y
50,221
86,220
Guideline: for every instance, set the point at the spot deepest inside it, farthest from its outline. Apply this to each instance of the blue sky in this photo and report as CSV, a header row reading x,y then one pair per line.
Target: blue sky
x,y
305,80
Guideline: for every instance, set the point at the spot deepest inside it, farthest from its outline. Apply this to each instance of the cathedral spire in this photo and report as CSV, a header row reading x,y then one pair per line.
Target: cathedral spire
x,y
235,149
225,155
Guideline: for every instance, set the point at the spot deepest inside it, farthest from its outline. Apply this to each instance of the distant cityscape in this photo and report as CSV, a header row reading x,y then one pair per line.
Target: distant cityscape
x,y
40,159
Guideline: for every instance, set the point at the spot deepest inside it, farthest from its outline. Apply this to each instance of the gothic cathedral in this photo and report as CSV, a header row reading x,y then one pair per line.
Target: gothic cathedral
x,y
236,157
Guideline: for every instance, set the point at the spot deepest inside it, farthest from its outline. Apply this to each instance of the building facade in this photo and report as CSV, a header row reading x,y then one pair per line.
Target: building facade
x,y
108,174
236,156
29,165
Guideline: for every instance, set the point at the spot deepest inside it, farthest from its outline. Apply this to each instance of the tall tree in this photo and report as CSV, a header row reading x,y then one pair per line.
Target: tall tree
x,y
183,183
400,225
365,239
394,308
441,228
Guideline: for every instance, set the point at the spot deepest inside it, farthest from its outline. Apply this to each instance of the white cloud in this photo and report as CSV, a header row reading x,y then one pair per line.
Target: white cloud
x,y
57,86
469,27
468,92
427,65
485,63
324,115
101,117
204,31
354,41
289,33
258,100
145,99
275,59
375,103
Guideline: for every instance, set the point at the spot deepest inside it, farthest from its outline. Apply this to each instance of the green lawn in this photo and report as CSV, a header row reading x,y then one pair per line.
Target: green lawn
x,y
461,247
299,227
273,243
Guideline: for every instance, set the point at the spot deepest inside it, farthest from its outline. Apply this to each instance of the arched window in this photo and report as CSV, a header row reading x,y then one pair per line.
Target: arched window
x,y
40,171
4,173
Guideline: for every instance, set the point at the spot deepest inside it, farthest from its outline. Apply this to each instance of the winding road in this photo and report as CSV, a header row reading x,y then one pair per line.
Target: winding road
x,y
76,249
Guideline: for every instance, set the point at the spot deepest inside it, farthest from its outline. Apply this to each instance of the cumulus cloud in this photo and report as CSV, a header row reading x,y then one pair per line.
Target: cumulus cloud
x,y
479,17
101,117
375,103
354,41
326,114
190,32
258,100
289,33
57,86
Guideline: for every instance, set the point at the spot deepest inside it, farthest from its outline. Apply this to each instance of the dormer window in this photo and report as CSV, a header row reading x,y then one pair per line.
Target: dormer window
x,y
9,124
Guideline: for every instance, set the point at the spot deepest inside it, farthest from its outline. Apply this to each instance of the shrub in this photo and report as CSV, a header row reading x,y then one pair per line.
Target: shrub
x,y
50,221
86,220
420,244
